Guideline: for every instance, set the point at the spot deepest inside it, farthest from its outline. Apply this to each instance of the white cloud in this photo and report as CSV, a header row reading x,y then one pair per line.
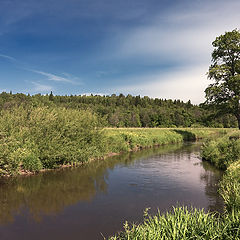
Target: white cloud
x,y
181,84
182,39
41,88
93,93
179,36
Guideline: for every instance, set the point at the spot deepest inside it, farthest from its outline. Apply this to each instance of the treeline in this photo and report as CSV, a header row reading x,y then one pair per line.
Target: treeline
x,y
127,111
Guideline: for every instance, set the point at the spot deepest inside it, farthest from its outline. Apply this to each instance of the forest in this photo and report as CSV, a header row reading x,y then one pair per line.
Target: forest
x,y
127,111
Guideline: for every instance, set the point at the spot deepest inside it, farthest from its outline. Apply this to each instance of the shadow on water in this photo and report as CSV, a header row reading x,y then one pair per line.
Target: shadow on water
x,y
187,136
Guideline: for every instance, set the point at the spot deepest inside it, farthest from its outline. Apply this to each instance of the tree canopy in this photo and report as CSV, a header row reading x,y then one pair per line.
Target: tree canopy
x,y
125,111
224,93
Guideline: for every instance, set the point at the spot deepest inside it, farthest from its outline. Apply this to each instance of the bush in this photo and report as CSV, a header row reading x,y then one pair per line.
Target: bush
x,y
221,152
42,137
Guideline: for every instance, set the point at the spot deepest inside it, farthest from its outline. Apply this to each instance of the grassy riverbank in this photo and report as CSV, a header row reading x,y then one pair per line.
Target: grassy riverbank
x,y
130,139
38,138
224,153
183,223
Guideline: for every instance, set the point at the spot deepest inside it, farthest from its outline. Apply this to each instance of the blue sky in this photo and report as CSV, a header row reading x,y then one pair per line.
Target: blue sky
x,y
157,48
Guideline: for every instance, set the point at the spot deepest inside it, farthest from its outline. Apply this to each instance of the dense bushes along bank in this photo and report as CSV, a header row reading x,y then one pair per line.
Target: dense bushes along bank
x,y
183,223
45,138
36,138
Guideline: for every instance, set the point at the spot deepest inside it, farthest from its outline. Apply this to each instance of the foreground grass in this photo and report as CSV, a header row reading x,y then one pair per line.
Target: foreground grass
x,y
184,223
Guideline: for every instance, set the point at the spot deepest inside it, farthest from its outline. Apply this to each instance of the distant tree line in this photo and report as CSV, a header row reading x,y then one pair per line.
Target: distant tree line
x,y
127,111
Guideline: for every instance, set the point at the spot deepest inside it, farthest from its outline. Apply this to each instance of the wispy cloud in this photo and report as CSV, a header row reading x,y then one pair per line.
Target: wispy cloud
x,y
53,77
8,57
67,78
181,39
178,35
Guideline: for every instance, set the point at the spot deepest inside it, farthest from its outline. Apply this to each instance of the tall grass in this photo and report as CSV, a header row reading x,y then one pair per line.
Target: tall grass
x,y
230,187
127,139
182,224
221,152
224,153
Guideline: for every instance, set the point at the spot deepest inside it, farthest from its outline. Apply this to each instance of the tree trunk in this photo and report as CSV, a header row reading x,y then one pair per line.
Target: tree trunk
x,y
238,118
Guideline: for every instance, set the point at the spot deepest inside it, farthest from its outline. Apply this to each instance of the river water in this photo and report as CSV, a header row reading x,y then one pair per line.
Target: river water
x,y
94,200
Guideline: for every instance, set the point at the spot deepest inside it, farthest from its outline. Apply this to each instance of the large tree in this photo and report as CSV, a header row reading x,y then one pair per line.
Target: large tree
x,y
224,93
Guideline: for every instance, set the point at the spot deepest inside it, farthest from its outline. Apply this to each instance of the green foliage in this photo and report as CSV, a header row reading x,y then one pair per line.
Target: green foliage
x,y
224,153
221,152
131,139
127,111
230,187
128,139
42,137
183,224
36,138
9,161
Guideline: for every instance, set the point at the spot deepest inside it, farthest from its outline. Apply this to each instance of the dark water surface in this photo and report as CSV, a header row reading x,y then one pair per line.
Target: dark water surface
x,y
84,202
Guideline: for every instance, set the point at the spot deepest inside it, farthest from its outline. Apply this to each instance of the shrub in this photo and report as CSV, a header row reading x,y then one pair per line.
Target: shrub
x,y
42,137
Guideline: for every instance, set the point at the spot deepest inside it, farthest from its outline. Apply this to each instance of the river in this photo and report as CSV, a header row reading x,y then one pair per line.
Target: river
x,y
94,200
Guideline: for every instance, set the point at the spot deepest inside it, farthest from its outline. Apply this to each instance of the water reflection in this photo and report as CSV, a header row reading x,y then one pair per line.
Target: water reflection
x,y
106,192
50,192
211,178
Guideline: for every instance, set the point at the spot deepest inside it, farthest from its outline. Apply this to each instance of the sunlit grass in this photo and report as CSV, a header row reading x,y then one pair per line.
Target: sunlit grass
x,y
182,224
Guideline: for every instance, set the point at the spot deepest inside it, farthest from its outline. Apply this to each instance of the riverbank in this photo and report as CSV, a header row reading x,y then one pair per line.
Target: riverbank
x,y
43,138
224,153
130,139
184,223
